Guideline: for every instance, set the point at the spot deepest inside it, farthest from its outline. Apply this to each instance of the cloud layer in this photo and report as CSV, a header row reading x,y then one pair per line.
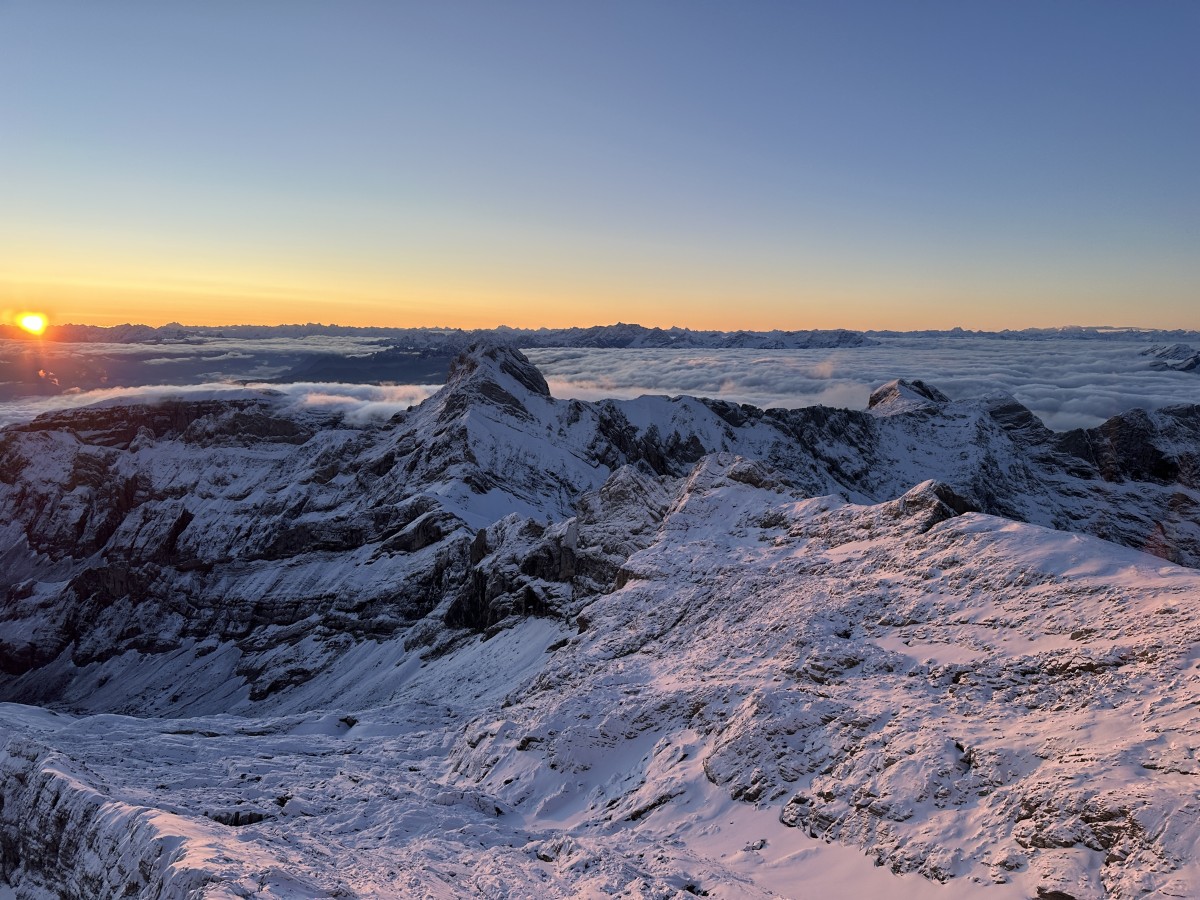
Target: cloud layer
x,y
359,403
1068,383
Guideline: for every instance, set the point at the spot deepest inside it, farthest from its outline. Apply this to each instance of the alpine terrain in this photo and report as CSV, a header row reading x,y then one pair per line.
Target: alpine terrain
x,y
505,645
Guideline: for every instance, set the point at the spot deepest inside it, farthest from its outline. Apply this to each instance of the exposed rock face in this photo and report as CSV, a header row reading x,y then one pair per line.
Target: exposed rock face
x,y
927,504
506,360
1143,447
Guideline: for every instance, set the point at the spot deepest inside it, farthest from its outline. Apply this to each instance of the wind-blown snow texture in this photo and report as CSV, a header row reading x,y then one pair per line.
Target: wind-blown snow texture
x,y
506,645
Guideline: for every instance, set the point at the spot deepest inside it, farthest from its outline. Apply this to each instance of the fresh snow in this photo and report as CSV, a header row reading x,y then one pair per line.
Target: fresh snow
x,y
509,646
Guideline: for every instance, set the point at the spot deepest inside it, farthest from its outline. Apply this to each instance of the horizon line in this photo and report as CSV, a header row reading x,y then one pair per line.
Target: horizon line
x,y
682,328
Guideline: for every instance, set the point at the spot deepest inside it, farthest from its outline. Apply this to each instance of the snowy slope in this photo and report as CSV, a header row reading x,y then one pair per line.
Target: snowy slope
x,y
974,698
983,702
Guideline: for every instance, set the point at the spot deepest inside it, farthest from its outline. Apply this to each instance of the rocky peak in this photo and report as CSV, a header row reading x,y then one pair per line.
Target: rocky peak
x,y
490,375
494,362
1021,425
928,503
1128,447
900,395
1170,351
1180,357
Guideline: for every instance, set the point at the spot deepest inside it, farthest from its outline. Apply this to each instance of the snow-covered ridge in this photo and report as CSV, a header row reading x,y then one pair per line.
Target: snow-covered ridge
x,y
203,520
904,396
556,634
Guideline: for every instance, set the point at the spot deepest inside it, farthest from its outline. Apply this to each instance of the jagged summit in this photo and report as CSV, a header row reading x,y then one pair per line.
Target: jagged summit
x,y
489,376
901,395
491,360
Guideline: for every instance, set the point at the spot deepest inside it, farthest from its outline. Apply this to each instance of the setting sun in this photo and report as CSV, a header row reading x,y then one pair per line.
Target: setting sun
x,y
34,323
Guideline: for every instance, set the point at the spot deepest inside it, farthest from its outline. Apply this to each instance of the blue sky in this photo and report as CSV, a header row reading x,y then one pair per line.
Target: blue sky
x,y
708,164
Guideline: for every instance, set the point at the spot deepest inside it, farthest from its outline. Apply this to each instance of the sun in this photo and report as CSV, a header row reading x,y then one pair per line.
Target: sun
x,y
34,323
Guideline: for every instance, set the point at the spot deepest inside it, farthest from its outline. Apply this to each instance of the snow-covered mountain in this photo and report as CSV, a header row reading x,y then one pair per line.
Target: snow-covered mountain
x,y
511,645
1180,357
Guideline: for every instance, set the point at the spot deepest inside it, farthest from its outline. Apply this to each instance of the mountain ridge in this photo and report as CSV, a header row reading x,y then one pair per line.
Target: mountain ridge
x,y
494,442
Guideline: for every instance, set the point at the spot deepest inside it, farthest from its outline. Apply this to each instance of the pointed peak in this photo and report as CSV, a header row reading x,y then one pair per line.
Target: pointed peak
x,y
497,359
901,395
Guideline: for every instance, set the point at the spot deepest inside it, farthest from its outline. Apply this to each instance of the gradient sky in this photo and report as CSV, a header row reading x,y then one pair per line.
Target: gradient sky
x,y
709,164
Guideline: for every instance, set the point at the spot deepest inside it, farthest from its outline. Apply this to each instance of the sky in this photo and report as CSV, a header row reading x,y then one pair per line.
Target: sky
x,y
704,164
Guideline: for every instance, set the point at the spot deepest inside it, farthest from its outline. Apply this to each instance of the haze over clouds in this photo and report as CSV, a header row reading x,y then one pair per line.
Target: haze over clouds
x,y
360,403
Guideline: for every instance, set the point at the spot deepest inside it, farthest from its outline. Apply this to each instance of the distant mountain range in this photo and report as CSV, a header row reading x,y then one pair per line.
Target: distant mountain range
x,y
454,340
88,357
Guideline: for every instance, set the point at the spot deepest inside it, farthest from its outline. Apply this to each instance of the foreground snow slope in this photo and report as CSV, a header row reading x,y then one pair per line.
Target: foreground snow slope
x,y
983,698
988,703
514,646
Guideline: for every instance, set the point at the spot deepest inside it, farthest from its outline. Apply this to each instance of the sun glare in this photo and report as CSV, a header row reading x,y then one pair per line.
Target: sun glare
x,y
34,323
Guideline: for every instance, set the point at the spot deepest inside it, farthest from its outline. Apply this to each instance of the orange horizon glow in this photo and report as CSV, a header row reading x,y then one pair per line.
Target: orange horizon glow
x,y
480,302
112,283
321,317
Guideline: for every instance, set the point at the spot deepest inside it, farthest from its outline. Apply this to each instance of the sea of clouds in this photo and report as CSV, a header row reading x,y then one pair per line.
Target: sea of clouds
x,y
1068,383
360,404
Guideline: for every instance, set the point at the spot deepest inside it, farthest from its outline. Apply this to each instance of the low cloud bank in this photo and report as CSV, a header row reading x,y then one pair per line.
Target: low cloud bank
x,y
360,404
